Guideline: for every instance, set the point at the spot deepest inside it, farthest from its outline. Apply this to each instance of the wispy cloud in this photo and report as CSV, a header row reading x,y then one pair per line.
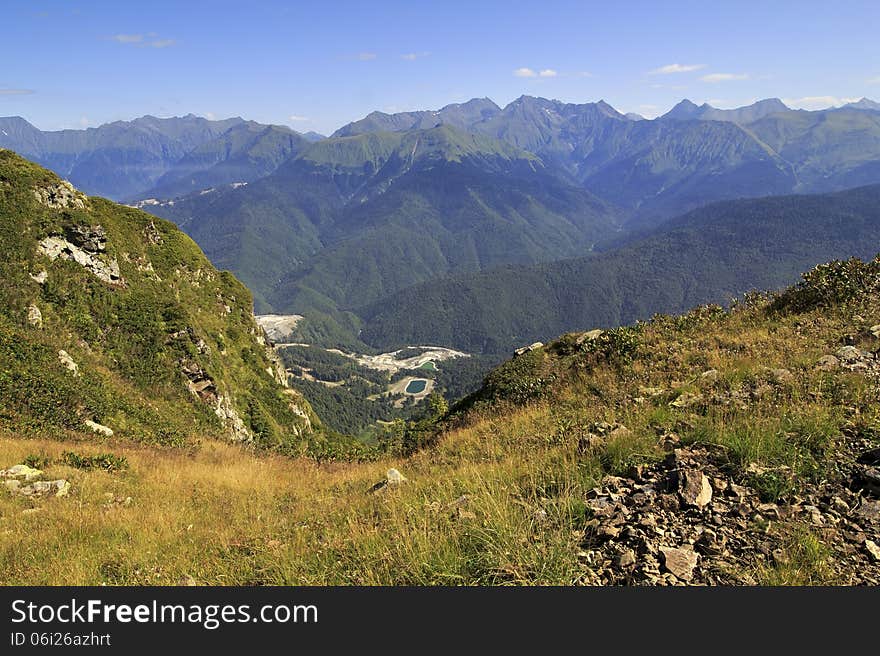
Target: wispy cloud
x,y
531,72
874,80
669,69
149,40
128,38
412,56
16,92
817,102
675,87
724,77
293,118
366,56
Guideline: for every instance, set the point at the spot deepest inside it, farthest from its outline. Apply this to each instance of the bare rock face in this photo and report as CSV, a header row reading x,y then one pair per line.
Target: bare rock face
x,y
694,488
679,562
526,349
61,196
231,420
85,245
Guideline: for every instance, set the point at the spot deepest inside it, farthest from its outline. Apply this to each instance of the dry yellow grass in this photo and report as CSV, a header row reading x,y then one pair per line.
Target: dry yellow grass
x,y
222,514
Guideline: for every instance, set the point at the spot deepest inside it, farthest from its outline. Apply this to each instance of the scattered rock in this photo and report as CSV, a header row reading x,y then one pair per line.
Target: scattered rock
x,y
651,391
828,363
34,316
40,277
679,562
694,488
626,559
874,550
851,354
869,510
710,375
394,477
99,428
686,400
68,362
21,473
779,375
870,457
875,330
58,488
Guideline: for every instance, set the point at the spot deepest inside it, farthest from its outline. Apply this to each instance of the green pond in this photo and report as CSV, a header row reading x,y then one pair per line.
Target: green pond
x,y
429,365
416,386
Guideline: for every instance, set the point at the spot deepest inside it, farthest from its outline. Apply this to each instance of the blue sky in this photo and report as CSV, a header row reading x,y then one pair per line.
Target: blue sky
x,y
318,65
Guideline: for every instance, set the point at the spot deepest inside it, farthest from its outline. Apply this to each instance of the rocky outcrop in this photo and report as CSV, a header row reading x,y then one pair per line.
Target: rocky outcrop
x,y
527,349
25,481
67,361
86,246
62,195
199,382
230,418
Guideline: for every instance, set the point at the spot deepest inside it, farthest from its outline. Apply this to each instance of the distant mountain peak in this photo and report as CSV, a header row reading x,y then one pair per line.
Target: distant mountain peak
x,y
864,103
687,110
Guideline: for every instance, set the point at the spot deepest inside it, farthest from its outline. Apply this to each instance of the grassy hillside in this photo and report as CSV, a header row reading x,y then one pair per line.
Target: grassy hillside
x,y
573,465
109,315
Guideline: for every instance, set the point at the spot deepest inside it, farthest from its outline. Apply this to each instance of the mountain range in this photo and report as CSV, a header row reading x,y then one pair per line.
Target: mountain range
x,y
391,227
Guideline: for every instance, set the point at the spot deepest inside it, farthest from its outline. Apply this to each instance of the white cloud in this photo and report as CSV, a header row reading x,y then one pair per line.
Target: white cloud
x,y
84,121
676,68
16,92
525,72
584,74
548,72
817,102
366,56
210,116
724,77
127,38
293,118
412,56
874,80
151,40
